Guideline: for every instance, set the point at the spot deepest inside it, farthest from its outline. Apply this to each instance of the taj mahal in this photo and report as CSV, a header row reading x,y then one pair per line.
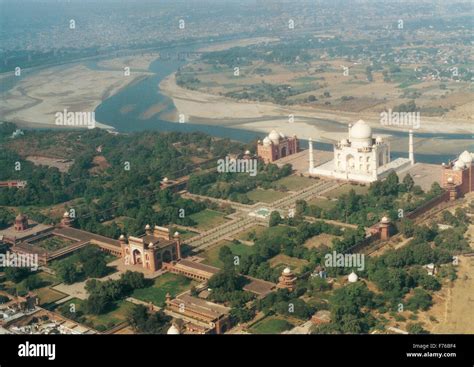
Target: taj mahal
x,y
360,157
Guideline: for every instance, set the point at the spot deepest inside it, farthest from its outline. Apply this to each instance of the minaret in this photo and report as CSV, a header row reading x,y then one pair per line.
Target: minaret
x,y
311,157
411,156
349,131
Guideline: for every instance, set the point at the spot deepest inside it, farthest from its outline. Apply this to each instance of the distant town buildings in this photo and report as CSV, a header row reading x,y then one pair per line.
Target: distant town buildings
x,y
277,145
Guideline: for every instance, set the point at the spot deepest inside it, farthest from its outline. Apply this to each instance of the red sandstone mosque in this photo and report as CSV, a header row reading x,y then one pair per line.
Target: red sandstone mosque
x,y
277,145
458,176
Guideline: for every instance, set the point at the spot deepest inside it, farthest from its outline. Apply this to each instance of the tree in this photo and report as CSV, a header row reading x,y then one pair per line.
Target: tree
x,y
97,304
16,275
95,267
417,328
421,299
408,182
275,218
406,227
68,273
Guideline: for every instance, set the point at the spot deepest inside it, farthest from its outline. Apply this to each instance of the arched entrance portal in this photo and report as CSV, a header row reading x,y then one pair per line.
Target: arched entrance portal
x,y
350,162
283,152
137,257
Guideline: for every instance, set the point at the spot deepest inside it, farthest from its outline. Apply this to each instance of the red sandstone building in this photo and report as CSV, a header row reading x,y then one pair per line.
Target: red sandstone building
x,y
151,250
458,176
276,146
287,280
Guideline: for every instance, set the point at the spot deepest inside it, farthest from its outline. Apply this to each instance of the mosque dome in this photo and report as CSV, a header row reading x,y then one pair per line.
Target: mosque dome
x,y
147,226
247,152
66,214
287,271
267,141
465,157
352,278
274,137
385,220
379,139
176,234
173,330
361,130
122,237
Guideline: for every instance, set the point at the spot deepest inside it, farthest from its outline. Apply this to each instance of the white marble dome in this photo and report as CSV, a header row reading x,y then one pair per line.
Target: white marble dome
x,y
379,139
352,278
361,130
385,220
465,157
173,330
267,141
66,215
459,164
287,271
274,137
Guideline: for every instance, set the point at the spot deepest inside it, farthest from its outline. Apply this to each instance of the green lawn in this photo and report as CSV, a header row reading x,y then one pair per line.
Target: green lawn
x,y
108,320
47,295
245,234
265,196
271,325
212,255
208,219
325,204
345,189
294,183
282,261
166,283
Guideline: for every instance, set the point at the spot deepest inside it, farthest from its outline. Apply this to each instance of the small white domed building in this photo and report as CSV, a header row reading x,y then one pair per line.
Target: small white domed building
x,y
173,330
276,145
352,278
360,157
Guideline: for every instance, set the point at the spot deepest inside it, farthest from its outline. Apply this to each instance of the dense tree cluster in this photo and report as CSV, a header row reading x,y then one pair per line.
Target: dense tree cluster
x,y
234,186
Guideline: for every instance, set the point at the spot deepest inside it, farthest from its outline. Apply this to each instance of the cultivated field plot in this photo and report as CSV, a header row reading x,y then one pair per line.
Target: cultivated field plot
x,y
265,196
47,295
208,219
271,325
281,261
323,239
166,283
211,256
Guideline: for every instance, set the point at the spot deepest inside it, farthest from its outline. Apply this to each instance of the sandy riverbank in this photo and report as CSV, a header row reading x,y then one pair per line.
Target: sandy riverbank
x,y
34,101
207,106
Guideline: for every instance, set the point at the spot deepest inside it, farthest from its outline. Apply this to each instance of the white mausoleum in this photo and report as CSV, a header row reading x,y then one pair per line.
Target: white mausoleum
x,y
360,157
